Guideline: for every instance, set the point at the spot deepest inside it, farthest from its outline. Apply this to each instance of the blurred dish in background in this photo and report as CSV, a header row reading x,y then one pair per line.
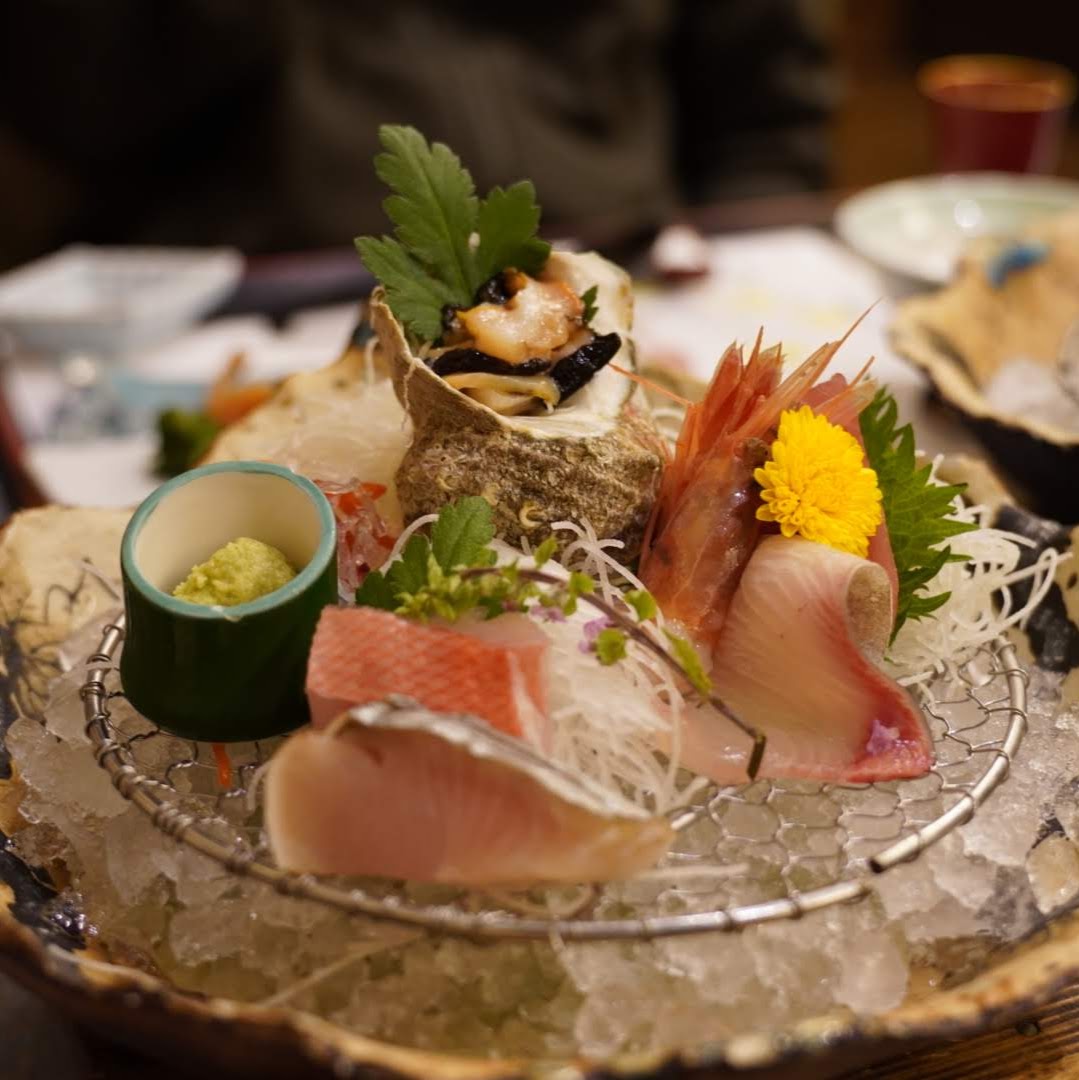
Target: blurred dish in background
x,y
997,112
109,301
919,228
1001,346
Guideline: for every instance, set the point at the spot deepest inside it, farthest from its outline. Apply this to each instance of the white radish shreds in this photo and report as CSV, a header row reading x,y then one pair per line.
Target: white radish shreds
x,y
982,602
606,721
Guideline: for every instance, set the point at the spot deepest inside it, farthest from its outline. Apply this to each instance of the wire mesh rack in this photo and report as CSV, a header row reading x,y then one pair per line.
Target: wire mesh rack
x,y
764,851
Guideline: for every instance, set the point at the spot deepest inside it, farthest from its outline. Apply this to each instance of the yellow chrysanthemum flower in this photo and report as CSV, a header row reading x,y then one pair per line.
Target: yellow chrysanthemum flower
x,y
816,484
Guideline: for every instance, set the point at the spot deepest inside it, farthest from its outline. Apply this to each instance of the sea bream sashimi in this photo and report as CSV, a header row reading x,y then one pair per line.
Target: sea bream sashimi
x,y
395,790
493,669
797,657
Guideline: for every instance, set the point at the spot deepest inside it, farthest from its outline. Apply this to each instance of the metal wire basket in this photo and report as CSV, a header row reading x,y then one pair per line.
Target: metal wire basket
x,y
757,853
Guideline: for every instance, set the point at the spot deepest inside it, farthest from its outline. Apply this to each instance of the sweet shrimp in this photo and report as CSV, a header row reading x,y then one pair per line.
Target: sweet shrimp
x,y
704,526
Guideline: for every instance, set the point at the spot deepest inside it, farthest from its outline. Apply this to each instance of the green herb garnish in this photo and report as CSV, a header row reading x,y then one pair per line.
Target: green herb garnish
x,y
917,510
431,261
184,437
452,575
588,298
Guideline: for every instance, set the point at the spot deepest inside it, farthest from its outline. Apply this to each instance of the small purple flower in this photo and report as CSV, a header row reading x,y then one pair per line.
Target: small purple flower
x,y
549,614
592,630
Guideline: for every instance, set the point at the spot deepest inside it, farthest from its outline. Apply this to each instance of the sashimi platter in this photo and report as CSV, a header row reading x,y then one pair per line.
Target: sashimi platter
x,y
501,701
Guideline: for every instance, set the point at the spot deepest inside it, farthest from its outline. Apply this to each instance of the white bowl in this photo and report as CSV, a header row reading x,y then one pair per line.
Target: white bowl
x,y
920,227
110,301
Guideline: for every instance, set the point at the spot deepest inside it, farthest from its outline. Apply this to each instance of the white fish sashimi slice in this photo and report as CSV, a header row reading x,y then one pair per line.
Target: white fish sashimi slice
x,y
395,790
797,659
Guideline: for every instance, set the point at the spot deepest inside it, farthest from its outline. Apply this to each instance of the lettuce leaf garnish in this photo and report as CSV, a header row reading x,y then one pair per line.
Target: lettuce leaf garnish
x,y
917,510
431,261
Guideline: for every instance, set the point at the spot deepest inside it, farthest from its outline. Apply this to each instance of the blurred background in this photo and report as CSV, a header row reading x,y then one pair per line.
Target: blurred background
x,y
253,123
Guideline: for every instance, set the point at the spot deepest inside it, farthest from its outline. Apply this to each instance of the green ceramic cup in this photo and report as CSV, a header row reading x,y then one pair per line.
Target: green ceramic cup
x,y
224,674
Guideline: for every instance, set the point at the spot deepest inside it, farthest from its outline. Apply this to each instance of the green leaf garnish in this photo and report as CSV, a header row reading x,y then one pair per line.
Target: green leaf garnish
x,y
545,552
463,534
414,296
375,591
642,602
588,298
433,206
508,220
610,646
917,511
431,262
687,656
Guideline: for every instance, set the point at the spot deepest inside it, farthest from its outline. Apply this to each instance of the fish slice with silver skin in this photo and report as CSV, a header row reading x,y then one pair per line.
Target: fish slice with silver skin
x,y
394,790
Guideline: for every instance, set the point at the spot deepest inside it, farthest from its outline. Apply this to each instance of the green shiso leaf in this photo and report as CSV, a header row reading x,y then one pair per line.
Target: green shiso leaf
x,y
431,262
916,510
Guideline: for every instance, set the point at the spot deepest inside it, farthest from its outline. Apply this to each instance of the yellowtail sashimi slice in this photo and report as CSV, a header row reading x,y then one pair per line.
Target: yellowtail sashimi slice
x,y
797,659
394,790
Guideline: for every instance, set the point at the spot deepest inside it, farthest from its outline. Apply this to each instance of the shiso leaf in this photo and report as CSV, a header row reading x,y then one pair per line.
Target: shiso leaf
x,y
508,220
917,511
433,206
463,533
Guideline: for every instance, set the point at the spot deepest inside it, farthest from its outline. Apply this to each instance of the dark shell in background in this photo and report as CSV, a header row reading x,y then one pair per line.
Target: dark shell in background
x,y
963,334
1053,636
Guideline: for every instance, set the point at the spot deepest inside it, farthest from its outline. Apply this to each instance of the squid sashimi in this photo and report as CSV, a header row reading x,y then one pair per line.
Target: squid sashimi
x,y
394,790
495,670
704,527
797,658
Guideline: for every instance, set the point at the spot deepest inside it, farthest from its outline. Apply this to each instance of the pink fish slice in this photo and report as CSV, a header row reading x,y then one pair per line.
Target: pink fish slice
x,y
487,669
797,658
395,790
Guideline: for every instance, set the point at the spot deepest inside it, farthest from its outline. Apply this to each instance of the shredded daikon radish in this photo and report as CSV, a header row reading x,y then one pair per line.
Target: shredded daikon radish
x,y
607,722
981,605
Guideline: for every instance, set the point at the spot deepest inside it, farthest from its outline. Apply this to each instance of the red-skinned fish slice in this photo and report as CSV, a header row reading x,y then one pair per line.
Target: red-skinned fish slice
x,y
483,668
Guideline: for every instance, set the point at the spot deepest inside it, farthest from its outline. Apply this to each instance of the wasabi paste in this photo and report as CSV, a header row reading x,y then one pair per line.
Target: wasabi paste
x,y
241,571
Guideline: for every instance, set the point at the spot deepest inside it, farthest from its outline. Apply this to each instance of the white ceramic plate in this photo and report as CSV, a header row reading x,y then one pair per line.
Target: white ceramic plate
x,y
110,301
919,227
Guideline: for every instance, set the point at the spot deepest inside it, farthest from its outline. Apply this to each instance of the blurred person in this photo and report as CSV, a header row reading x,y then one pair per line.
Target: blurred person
x,y
254,122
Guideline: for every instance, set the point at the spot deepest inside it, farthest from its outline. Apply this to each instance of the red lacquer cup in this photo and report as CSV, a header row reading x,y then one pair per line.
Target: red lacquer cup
x,y
997,112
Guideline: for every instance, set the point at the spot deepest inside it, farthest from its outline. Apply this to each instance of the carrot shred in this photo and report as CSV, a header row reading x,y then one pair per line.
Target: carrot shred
x,y
224,766
650,385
